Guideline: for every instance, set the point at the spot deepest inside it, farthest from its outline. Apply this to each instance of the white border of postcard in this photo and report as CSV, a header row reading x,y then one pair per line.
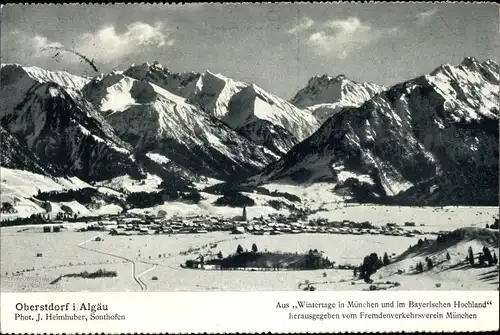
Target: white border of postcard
x,y
229,312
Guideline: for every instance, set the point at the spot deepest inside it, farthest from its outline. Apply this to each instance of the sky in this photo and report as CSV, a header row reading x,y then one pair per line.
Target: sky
x,y
276,46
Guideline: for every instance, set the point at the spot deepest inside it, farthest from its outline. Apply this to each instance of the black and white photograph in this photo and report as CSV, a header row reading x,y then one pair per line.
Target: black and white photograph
x,y
249,147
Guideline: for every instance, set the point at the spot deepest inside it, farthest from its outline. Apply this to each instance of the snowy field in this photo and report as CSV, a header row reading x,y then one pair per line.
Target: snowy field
x,y
136,259
433,218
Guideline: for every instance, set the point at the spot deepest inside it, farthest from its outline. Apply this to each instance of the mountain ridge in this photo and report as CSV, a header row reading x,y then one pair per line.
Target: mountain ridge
x,y
434,133
417,130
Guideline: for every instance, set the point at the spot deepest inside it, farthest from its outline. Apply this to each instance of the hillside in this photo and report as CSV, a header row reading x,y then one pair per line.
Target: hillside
x,y
81,126
432,140
259,116
60,127
449,274
15,156
166,125
443,125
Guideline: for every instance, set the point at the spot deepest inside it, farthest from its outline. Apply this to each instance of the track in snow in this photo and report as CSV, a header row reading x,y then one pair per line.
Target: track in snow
x,y
137,278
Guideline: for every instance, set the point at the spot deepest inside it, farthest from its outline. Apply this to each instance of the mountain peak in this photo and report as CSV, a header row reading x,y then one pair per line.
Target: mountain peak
x,y
141,71
208,72
490,61
335,91
326,79
147,65
63,78
469,66
157,65
469,59
401,138
340,77
471,63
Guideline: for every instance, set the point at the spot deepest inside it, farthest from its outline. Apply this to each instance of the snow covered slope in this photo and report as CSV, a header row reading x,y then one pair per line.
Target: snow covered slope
x,y
450,269
60,127
169,129
208,90
60,118
444,125
109,93
269,120
19,186
253,104
16,80
213,92
258,115
324,95
261,117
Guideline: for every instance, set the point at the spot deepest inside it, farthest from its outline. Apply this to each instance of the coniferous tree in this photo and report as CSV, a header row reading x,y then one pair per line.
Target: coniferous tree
x,y
254,248
495,259
448,256
386,259
471,256
239,249
370,265
487,256
430,264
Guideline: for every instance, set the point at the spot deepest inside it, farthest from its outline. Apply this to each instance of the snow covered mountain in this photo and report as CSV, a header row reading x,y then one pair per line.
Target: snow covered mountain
x,y
163,123
254,104
207,90
213,92
431,139
261,117
55,122
325,95
268,120
111,125
258,115
439,130
177,83
16,80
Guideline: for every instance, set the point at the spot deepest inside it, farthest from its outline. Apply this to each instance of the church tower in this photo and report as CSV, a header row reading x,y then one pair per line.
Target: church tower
x,y
244,215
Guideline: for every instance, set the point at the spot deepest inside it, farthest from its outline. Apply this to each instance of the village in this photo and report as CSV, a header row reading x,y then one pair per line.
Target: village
x,y
275,224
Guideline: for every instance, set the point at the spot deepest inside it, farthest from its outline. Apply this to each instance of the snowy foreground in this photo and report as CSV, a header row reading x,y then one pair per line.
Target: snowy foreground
x,y
152,262
137,259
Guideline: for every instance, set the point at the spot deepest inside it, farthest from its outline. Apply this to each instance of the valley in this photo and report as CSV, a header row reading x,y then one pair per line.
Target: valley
x,y
112,182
